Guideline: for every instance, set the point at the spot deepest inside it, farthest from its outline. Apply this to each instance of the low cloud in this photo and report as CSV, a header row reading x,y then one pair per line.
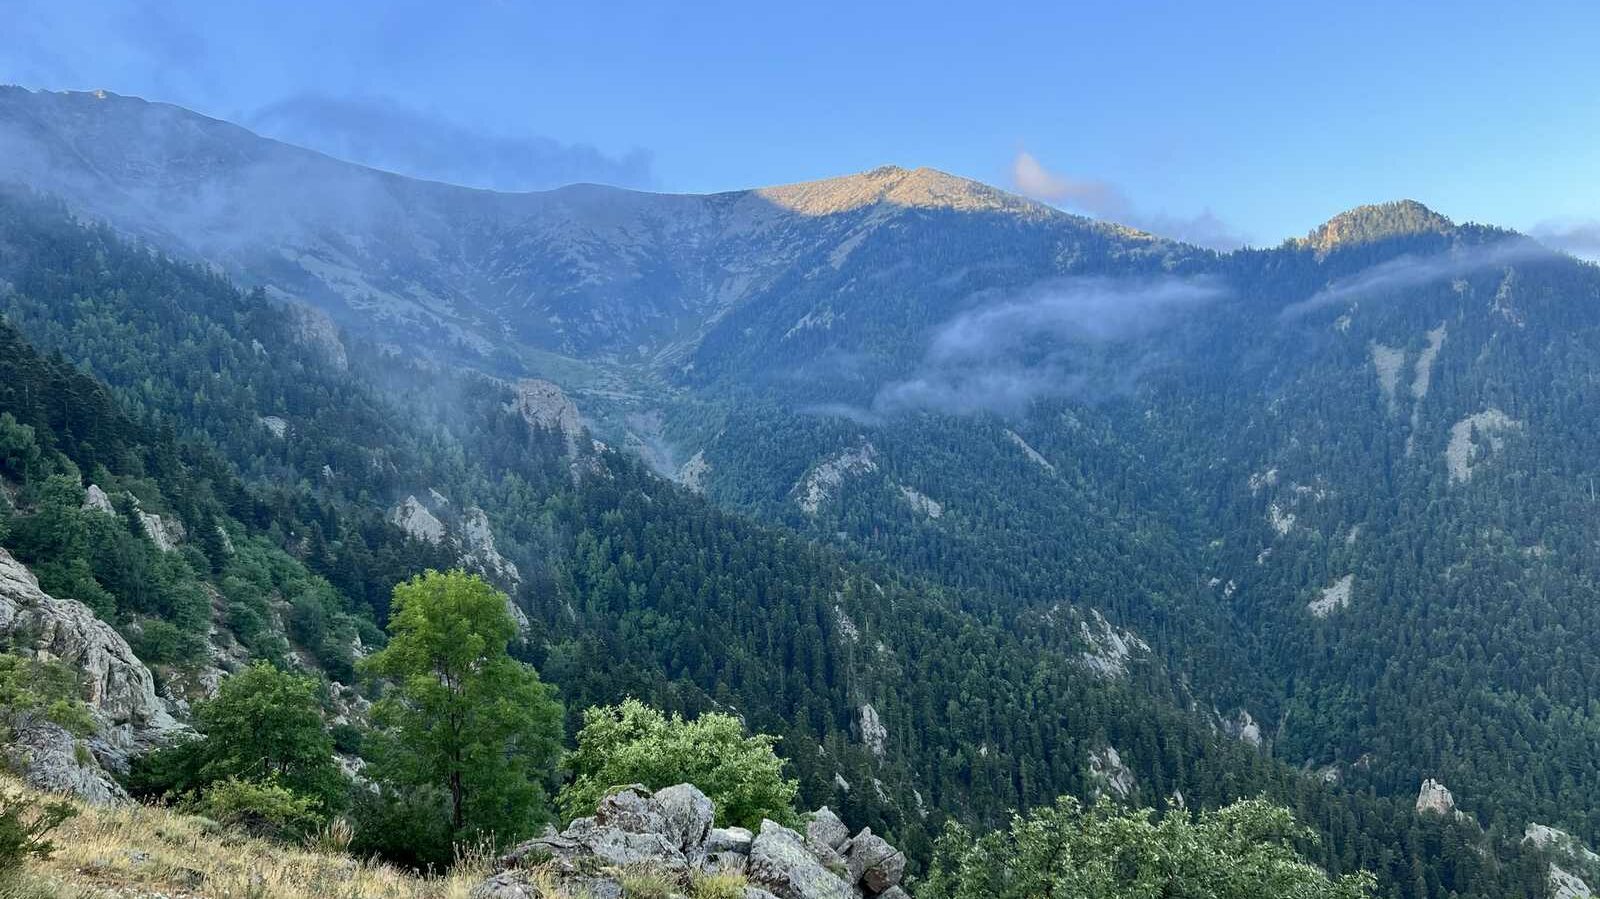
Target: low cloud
x,y
398,138
1407,271
1578,236
1106,201
1013,350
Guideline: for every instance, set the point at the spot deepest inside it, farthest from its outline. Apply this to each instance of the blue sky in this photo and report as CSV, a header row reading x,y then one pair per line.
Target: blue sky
x,y
1244,121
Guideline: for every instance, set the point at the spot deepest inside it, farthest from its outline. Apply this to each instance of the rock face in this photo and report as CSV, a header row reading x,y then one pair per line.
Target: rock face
x,y
1109,649
1474,437
316,330
693,473
50,760
873,733
669,833
96,500
1434,798
166,535
1032,454
922,503
1333,597
481,551
824,481
1105,765
118,689
1243,728
414,518
1567,854
543,405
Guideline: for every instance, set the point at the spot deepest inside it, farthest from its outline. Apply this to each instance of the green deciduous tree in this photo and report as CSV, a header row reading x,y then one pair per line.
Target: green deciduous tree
x,y
1243,851
266,725
633,743
263,727
460,713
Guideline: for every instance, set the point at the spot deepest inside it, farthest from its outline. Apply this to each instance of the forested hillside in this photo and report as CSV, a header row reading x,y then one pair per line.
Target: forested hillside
x,y
902,698
974,502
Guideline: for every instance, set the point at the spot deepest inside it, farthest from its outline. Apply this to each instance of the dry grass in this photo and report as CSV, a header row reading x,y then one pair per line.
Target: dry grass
x,y
149,852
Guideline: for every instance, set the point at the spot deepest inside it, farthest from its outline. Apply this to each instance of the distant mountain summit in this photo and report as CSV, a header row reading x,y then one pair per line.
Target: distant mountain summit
x,y
920,188
1366,224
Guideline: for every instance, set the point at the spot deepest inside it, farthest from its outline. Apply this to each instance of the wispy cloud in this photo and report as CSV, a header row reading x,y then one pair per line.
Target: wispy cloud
x,y
392,136
1407,271
1578,236
1105,200
1015,349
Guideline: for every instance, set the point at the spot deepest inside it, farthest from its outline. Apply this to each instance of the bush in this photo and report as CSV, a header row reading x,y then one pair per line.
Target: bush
x,y
347,738
633,743
262,809
1243,851
47,689
411,830
158,642
25,826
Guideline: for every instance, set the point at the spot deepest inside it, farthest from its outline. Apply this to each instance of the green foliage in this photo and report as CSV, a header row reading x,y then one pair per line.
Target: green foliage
x,y
460,713
46,688
633,743
263,727
640,589
409,827
266,724
1243,851
25,826
261,808
160,642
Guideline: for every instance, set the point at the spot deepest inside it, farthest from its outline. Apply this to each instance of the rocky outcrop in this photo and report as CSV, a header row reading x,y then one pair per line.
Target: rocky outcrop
x,y
481,552
51,759
922,503
316,330
873,733
1434,798
670,834
543,405
1474,437
1333,597
693,473
96,500
822,484
164,533
414,518
1244,728
118,689
1106,767
1032,454
1570,861
1109,649
274,425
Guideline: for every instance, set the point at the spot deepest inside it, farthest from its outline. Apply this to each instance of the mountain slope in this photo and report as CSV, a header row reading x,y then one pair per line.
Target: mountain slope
x,y
1339,488
581,271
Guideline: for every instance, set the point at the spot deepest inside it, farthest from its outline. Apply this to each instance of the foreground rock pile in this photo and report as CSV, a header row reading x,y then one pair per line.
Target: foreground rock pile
x,y
667,838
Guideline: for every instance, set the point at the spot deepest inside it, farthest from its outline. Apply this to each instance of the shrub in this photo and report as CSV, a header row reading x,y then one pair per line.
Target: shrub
x,y
1243,851
262,809
410,829
25,826
160,642
633,743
